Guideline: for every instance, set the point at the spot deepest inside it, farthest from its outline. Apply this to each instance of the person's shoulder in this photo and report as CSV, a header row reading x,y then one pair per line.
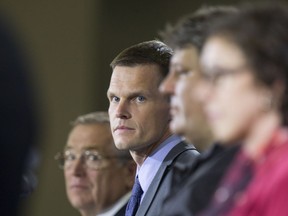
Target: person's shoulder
x,y
183,154
186,150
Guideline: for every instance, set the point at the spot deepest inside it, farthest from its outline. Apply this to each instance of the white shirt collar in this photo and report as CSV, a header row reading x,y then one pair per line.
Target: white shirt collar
x,y
117,206
152,163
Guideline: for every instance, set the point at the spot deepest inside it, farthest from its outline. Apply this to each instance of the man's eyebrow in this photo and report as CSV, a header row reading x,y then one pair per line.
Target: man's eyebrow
x,y
110,93
67,148
139,93
91,148
131,94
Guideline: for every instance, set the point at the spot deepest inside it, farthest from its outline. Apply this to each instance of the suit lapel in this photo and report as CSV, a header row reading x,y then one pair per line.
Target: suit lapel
x,y
164,168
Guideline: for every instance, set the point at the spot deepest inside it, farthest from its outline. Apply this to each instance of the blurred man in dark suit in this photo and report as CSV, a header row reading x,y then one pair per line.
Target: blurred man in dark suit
x,y
193,184
18,122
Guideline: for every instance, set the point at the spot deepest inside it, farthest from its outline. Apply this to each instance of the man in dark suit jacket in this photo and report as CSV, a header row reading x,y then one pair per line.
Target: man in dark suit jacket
x,y
160,186
98,176
139,118
192,185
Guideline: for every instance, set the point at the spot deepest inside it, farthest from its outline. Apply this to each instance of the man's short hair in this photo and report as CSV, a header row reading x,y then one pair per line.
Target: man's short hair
x,y
145,53
193,28
92,118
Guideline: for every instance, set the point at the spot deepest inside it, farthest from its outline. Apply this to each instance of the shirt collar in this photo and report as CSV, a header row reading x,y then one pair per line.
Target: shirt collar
x,y
152,163
116,206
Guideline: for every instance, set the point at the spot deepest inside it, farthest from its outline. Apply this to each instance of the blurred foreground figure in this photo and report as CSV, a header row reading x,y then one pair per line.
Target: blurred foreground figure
x,y
193,184
245,65
98,176
17,133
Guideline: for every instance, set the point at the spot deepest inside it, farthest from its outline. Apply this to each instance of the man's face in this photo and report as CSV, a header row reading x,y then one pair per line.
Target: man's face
x,y
187,114
89,189
139,113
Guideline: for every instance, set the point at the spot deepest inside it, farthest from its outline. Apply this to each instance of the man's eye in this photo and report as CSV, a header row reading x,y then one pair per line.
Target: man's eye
x,y
115,99
215,78
183,72
69,157
92,157
206,77
140,99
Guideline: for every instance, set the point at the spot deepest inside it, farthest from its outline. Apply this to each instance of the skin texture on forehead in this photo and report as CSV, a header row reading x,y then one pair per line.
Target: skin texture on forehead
x,y
84,137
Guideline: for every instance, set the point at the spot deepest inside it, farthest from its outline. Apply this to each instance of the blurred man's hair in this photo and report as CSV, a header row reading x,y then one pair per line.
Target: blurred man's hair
x,y
193,28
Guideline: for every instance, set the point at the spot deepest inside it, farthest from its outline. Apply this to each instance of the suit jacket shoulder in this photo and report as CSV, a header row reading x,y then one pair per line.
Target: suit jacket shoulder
x,y
199,184
181,154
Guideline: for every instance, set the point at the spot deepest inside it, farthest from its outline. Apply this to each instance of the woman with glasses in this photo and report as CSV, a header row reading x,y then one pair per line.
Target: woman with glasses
x,y
244,90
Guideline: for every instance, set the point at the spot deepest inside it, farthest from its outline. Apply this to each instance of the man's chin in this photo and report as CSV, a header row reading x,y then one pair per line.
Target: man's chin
x,y
120,146
80,203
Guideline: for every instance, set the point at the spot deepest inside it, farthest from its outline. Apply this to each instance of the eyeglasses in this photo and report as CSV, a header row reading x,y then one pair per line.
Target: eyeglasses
x,y
218,74
92,159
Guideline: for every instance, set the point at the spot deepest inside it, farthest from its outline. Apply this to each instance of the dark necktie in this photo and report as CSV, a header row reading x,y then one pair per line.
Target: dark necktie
x,y
135,199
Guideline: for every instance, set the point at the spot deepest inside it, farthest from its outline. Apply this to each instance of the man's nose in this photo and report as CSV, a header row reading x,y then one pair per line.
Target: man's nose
x,y
78,167
168,85
122,110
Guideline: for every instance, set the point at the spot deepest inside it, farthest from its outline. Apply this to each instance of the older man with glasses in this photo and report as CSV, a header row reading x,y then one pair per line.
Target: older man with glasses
x,y
98,176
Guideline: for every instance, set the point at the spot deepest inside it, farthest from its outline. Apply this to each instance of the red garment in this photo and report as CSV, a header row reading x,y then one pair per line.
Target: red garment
x,y
267,193
232,185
